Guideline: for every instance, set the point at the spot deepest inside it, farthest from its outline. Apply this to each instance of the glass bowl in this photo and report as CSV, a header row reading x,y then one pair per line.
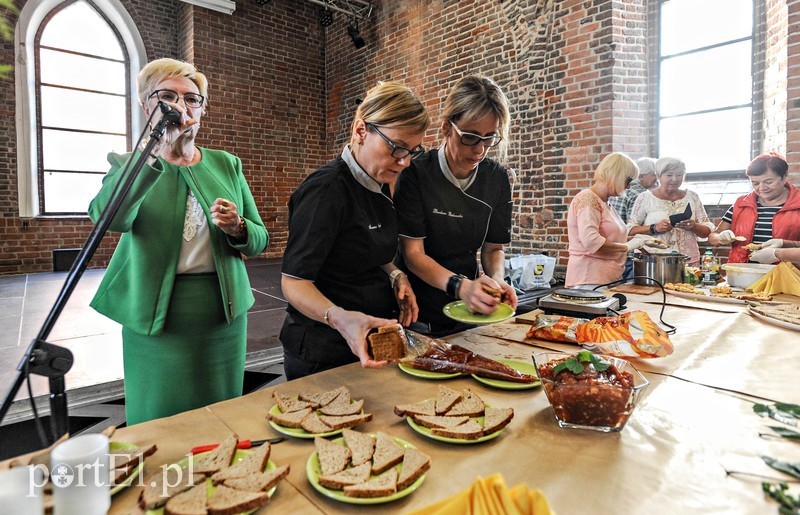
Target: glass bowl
x,y
582,405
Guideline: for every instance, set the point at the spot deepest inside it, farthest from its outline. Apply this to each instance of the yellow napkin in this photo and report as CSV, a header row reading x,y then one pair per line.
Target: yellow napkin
x,y
784,278
490,496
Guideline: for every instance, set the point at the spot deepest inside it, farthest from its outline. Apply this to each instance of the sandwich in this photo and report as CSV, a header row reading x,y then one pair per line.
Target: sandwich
x,y
497,293
388,343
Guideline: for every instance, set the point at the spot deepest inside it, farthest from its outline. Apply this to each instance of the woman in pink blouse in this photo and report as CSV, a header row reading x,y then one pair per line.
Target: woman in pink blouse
x,y
597,234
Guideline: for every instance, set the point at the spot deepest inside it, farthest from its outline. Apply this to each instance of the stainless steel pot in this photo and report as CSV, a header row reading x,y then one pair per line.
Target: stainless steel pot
x,y
664,268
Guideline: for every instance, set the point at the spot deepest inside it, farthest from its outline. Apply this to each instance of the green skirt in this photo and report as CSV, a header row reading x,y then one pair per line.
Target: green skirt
x,y
197,360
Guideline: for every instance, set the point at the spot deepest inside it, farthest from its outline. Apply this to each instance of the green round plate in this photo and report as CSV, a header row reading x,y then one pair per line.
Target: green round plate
x,y
210,488
313,471
458,311
424,431
115,447
426,374
521,366
297,432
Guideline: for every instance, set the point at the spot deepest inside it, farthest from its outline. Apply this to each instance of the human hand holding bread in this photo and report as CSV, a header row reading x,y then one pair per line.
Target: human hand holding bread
x,y
484,294
354,326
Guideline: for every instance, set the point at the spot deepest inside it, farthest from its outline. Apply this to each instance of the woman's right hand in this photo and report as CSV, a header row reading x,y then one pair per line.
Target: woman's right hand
x,y
477,300
354,326
663,226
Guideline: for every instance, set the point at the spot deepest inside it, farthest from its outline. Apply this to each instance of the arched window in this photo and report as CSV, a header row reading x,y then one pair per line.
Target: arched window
x,y
76,68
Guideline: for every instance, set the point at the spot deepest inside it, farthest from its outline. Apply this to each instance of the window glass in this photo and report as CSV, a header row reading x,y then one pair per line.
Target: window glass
x,y
707,79
77,71
67,192
67,150
690,24
715,141
79,28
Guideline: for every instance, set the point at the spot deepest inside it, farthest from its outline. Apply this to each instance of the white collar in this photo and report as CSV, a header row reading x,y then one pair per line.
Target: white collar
x,y
462,184
358,173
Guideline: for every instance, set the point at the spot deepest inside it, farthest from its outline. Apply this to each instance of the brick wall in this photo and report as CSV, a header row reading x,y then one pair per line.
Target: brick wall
x,y
774,72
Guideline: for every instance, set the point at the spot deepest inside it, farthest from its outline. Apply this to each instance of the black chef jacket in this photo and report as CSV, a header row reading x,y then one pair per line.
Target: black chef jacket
x,y
340,233
454,223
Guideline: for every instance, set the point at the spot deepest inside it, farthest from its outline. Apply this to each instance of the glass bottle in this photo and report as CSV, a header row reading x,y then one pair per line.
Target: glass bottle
x,y
708,265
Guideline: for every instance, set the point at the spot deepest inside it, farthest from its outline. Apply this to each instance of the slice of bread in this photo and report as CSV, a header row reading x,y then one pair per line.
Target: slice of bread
x,y
388,344
332,457
496,419
349,476
439,420
166,483
387,453
426,407
312,424
251,464
229,501
259,482
191,502
445,399
338,409
470,405
415,464
362,446
123,458
217,459
318,400
346,421
470,430
291,419
380,486
288,404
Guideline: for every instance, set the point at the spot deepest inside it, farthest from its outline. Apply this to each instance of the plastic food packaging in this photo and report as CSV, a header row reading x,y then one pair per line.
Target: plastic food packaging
x,y
631,334
439,356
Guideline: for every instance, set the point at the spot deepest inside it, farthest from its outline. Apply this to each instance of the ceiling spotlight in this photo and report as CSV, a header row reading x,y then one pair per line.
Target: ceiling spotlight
x,y
326,17
352,31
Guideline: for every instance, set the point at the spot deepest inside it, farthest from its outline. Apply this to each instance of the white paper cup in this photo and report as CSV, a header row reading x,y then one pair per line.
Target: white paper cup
x,y
21,490
80,475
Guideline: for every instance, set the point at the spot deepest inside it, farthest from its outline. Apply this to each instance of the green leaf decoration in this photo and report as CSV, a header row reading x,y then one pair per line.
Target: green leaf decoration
x,y
793,469
570,364
792,409
585,356
784,413
781,416
780,493
575,363
786,432
761,410
599,363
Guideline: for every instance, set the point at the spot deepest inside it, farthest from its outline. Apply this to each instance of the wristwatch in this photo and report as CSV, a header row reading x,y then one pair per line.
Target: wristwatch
x,y
394,275
453,284
653,229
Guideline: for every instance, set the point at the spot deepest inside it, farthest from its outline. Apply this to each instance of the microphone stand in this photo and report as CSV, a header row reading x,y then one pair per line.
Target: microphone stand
x,y
49,360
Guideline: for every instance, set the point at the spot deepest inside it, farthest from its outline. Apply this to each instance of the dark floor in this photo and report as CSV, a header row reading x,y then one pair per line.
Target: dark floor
x,y
95,341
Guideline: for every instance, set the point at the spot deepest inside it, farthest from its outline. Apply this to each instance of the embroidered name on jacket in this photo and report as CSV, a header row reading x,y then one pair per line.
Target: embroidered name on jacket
x,y
447,213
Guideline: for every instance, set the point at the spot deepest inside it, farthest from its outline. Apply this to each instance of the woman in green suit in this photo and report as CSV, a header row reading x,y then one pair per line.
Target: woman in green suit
x,y
177,281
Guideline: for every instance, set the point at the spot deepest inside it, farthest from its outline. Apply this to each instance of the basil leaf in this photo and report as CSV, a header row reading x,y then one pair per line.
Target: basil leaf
x,y
786,432
793,469
599,363
585,356
573,366
558,368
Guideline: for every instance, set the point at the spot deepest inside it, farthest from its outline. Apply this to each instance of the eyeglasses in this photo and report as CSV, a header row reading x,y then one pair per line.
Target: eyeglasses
x,y
628,181
469,139
398,152
167,95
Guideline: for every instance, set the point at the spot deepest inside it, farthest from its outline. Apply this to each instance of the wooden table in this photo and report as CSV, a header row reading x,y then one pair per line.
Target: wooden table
x,y
670,458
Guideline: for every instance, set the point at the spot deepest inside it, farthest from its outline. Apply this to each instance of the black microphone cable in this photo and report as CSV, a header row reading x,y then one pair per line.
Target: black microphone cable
x,y
672,328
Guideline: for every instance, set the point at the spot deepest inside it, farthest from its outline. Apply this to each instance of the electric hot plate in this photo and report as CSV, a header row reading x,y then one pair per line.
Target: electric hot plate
x,y
578,303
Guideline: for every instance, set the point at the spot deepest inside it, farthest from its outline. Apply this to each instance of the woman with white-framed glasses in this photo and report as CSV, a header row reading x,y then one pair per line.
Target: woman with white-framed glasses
x,y
453,202
338,270
768,216
177,281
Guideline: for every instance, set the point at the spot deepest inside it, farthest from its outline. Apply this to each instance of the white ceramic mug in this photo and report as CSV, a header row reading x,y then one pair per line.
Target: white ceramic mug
x,y
79,471
21,490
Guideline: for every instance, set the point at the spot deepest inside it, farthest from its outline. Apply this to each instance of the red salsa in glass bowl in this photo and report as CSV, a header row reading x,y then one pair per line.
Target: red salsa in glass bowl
x,y
590,391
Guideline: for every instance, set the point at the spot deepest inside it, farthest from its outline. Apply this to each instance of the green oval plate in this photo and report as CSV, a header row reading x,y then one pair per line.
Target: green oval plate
x,y
521,366
459,312
210,488
426,374
297,432
313,471
425,431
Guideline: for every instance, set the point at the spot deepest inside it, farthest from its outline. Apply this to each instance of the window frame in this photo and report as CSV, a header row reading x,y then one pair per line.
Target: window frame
x,y
32,16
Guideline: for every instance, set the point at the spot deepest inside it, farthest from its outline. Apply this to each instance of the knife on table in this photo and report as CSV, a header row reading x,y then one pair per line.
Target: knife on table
x,y
243,444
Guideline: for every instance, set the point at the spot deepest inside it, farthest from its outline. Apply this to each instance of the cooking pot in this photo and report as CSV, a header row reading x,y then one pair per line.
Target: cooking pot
x,y
664,268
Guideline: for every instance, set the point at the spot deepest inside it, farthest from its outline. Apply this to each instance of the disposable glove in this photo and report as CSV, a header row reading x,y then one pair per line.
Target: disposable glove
x,y
726,237
766,256
772,244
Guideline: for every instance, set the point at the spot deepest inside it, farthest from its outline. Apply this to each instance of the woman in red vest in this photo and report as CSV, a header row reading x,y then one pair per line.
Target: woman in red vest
x,y
769,215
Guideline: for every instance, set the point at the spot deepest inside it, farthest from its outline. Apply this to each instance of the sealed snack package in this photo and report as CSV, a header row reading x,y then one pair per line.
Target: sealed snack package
x,y
439,356
631,334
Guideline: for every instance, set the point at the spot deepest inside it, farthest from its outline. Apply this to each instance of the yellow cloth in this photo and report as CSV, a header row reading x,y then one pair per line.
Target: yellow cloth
x,y
490,496
784,278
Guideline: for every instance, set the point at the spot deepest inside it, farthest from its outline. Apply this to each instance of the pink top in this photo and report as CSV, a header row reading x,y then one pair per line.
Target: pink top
x,y
590,222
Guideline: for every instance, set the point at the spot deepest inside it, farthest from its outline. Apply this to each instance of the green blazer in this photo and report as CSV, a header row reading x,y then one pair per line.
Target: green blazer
x,y
137,286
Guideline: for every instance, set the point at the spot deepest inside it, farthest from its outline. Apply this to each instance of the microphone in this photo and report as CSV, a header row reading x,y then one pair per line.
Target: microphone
x,y
170,114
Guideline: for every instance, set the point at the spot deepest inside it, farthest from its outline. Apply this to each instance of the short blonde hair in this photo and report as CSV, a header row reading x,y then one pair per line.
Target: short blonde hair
x,y
391,105
165,68
472,98
615,169
668,164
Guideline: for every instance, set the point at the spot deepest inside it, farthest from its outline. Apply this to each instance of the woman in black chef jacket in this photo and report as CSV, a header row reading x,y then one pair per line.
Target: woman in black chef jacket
x,y
452,202
338,270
